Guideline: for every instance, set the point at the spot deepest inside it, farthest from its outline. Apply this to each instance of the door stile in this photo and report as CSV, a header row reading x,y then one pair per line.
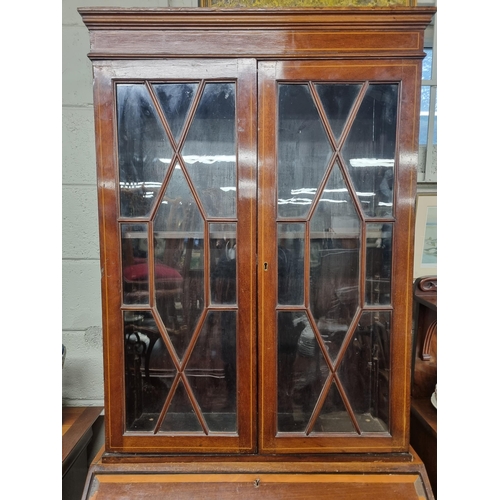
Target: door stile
x,y
246,126
267,273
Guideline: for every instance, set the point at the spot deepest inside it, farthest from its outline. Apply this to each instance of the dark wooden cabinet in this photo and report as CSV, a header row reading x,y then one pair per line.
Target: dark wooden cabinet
x,y
79,440
257,177
423,416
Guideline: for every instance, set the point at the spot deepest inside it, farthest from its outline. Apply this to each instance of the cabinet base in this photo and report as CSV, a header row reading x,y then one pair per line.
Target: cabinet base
x,y
276,480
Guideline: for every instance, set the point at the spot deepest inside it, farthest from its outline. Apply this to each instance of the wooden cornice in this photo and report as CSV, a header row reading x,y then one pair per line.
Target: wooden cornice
x,y
103,18
319,33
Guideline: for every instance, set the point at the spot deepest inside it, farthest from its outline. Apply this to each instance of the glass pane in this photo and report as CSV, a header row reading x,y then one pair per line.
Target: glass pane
x,y
223,263
210,150
334,266
434,139
211,371
149,371
135,263
337,101
291,239
144,152
369,150
364,371
302,371
378,263
181,416
424,114
179,261
427,65
303,150
175,100
334,416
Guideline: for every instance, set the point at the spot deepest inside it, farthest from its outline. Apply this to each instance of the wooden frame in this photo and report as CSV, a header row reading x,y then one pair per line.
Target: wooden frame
x,y
425,262
107,75
161,44
259,50
269,72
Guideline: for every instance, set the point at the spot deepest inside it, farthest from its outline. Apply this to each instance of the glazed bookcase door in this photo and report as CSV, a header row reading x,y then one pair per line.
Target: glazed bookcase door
x,y
177,206
334,246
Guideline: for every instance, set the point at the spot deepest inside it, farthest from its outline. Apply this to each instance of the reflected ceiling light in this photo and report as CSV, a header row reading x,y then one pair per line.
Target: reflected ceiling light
x,y
228,188
314,190
338,190
332,201
371,162
205,159
303,191
136,185
295,201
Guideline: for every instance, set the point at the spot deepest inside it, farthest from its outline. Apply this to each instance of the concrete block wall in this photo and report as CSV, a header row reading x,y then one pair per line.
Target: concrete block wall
x,y
82,376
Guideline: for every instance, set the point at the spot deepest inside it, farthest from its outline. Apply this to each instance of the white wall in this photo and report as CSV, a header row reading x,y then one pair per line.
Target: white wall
x,y
82,376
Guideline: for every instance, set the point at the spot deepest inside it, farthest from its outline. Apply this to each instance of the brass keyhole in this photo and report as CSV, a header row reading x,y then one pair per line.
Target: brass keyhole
x,y
265,266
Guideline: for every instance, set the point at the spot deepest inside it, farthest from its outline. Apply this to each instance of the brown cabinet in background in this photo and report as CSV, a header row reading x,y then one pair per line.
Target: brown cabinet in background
x,y
423,417
256,176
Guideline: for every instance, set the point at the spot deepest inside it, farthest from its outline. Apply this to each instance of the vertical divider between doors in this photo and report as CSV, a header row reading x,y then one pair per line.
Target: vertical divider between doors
x,y
246,130
267,277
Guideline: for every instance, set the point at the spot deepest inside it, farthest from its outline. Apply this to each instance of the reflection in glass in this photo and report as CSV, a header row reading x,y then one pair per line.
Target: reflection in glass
x,y
175,100
334,416
291,239
333,361
135,263
370,147
211,371
435,117
335,247
337,100
210,150
425,94
303,150
164,258
180,414
178,227
149,370
364,371
144,151
302,371
426,115
223,263
427,64
378,263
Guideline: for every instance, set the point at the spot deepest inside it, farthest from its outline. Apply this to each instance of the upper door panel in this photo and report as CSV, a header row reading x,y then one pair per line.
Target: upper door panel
x,y
331,320
184,222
